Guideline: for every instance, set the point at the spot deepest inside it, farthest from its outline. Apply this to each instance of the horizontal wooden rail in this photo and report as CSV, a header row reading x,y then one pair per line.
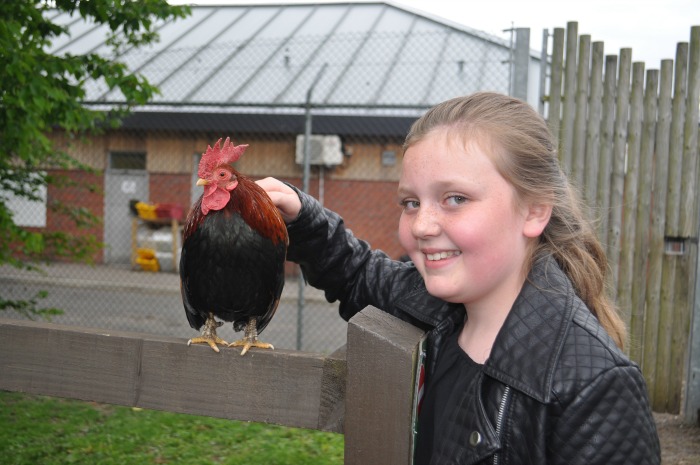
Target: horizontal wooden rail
x,y
163,373
289,388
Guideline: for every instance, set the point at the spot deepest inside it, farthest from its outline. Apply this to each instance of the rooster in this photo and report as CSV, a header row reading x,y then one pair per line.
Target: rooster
x,y
233,252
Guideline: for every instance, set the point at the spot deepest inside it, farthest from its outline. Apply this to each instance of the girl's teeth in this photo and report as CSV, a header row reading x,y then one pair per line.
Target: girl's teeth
x,y
442,255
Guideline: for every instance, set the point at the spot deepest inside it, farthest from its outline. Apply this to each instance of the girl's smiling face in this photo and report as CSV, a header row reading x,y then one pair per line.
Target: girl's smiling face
x,y
462,224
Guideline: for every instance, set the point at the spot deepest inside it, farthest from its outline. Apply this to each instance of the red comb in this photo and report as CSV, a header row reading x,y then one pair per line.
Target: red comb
x,y
215,156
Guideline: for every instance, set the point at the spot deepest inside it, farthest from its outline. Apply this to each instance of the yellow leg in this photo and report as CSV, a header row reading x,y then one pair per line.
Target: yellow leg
x,y
209,334
250,338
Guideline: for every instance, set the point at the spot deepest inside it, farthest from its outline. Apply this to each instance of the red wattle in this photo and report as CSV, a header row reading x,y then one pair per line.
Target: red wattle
x,y
215,200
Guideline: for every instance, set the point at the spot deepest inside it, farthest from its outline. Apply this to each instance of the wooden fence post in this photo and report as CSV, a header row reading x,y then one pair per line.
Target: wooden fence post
x,y
566,134
555,85
378,407
641,175
617,179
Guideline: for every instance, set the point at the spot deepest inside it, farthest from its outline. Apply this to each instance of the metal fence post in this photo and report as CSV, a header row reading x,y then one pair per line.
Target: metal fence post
x,y
521,63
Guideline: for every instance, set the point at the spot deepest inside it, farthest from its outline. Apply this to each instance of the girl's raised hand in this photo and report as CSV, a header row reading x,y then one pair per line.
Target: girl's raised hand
x,y
283,196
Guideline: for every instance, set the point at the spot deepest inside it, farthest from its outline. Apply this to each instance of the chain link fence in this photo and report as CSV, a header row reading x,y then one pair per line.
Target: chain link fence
x,y
271,94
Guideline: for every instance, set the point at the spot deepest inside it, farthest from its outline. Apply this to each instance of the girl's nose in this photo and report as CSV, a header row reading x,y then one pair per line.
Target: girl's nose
x,y
425,223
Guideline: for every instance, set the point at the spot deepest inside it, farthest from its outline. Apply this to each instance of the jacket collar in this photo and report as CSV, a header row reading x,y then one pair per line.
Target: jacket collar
x,y
528,345
422,306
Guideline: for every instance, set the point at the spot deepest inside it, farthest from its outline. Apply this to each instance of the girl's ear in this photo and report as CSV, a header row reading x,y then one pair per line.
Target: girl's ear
x,y
537,218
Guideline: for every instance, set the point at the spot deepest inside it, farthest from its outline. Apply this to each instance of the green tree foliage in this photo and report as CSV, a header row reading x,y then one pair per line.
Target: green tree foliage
x,y
41,92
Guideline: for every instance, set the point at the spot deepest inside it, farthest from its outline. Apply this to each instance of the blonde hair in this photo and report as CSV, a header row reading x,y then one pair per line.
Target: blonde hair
x,y
525,155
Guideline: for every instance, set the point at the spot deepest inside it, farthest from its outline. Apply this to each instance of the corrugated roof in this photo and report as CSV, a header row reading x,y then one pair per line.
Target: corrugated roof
x,y
360,55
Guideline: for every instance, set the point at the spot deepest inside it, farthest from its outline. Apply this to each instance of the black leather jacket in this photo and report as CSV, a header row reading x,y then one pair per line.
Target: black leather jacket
x,y
555,389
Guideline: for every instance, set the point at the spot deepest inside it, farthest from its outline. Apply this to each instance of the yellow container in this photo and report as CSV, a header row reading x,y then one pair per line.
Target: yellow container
x,y
148,264
146,211
146,258
146,253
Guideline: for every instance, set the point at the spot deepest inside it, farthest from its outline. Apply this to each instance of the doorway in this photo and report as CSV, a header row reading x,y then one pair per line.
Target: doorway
x,y
126,179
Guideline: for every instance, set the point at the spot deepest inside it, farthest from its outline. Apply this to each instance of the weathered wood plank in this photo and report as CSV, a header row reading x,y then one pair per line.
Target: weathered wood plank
x,y
675,160
642,344
378,407
581,110
566,138
617,180
332,410
555,83
644,216
607,125
630,195
660,372
680,329
688,215
595,106
282,387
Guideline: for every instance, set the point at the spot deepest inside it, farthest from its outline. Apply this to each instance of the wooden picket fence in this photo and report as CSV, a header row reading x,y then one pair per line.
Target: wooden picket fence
x,y
628,137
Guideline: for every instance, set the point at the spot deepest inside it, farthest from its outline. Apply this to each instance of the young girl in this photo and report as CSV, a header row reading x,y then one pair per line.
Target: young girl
x,y
524,352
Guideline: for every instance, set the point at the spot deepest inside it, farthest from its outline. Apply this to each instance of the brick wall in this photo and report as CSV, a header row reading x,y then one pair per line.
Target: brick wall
x,y
170,188
369,209
76,188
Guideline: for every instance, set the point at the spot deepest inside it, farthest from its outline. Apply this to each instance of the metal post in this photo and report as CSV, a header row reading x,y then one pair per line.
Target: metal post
x,y
544,71
305,181
511,59
521,62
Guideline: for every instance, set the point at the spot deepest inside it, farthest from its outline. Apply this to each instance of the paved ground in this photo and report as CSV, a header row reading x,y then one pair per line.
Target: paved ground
x,y
117,297
119,277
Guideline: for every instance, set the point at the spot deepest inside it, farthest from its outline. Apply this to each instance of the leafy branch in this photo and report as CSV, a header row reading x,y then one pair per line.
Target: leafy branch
x,y
42,94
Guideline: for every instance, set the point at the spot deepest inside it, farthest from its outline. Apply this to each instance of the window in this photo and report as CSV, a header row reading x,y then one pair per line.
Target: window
x,y
31,213
127,161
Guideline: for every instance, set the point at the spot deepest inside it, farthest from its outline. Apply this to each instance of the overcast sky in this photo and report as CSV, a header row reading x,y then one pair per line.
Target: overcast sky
x,y
652,28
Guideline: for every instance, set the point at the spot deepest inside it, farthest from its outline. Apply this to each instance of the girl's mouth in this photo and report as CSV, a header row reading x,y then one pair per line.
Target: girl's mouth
x,y
442,255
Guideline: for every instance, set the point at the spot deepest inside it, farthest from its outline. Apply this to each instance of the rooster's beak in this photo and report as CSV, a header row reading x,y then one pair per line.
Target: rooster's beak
x,y
202,182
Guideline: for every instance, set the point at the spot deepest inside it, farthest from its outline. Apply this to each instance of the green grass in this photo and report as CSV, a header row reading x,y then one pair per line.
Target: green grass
x,y
49,431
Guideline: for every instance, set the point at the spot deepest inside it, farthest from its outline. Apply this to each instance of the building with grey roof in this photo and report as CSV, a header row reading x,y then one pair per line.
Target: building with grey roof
x,y
357,74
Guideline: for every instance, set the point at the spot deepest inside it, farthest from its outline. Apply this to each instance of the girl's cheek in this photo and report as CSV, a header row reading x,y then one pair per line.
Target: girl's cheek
x,y
405,237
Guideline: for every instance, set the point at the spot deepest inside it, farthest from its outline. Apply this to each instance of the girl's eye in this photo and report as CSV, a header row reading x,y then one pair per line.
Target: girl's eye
x,y
456,200
409,204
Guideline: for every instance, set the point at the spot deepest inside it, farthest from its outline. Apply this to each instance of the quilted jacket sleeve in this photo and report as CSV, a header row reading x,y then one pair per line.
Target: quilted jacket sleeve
x,y
608,422
346,268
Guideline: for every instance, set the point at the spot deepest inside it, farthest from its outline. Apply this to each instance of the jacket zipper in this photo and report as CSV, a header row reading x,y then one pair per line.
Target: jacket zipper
x,y
499,419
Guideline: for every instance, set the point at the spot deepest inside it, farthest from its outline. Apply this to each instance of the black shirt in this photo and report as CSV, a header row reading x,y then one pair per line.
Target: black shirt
x,y
454,377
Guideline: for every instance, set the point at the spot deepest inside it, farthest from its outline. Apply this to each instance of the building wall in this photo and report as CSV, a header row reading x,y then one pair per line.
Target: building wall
x,y
76,189
173,188
369,209
362,189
